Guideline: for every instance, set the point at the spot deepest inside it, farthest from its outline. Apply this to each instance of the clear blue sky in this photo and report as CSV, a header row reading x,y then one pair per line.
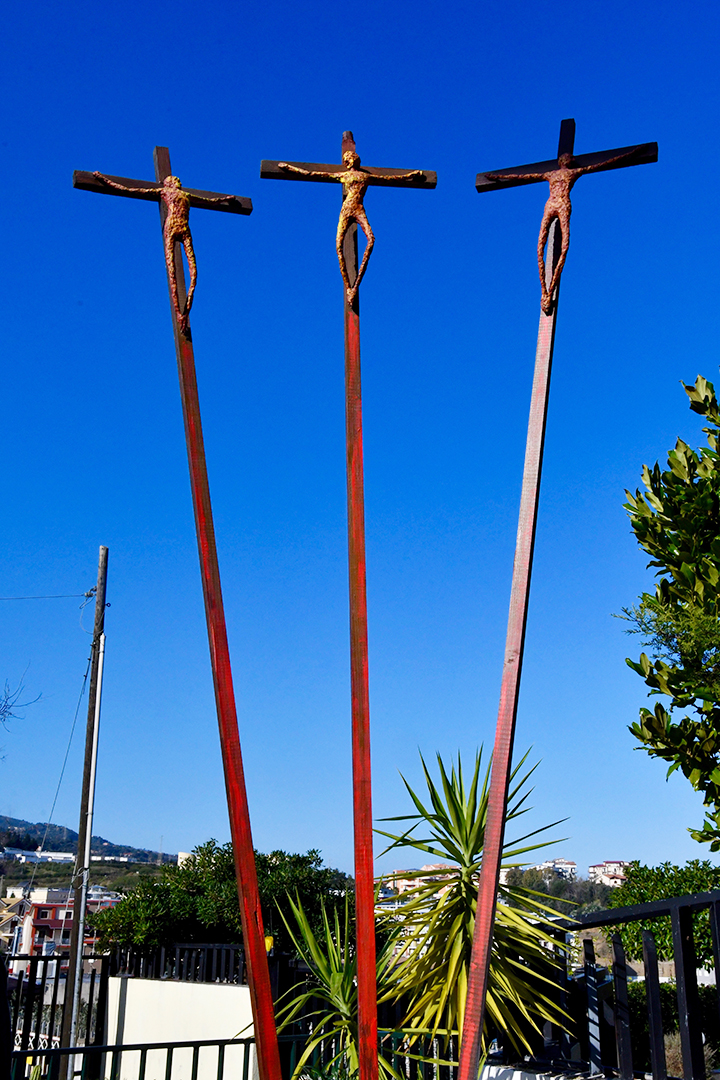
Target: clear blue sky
x,y
93,448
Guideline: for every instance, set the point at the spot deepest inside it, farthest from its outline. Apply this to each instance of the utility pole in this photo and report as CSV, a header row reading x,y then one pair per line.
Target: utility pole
x,y
73,984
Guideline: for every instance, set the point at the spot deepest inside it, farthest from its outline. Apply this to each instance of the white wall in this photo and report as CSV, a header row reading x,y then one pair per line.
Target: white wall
x,y
158,1011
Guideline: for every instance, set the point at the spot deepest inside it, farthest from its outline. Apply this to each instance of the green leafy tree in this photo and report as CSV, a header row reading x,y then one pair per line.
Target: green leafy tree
x,y
676,520
576,897
197,901
645,883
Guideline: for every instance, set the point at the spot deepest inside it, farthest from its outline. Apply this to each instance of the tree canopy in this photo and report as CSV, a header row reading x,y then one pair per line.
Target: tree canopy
x,y
645,883
676,520
197,901
572,898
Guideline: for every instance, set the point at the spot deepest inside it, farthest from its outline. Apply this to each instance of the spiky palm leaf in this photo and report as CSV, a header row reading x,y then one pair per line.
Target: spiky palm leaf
x,y
436,918
331,996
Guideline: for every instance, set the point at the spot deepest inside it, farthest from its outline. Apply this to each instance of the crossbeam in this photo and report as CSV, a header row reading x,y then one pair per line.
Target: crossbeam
x,y
329,174
599,161
151,191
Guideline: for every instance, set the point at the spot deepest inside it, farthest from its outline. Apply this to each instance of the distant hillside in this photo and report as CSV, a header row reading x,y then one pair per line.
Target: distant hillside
x,y
14,832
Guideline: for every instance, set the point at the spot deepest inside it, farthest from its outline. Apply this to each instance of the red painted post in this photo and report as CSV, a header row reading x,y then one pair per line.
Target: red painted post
x,y
362,782
252,924
510,688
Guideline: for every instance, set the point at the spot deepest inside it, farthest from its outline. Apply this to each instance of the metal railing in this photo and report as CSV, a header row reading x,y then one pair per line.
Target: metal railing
x,y
35,994
599,1003
138,1061
680,910
184,963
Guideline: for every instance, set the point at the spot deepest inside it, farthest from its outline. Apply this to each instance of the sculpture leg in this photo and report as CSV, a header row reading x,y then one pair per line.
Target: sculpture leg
x,y
170,261
545,300
343,226
361,218
564,221
192,264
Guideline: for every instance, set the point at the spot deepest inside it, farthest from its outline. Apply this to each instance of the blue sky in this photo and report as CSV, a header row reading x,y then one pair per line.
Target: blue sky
x,y
93,448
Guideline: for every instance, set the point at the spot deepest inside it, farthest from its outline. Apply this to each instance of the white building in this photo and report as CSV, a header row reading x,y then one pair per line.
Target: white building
x,y
611,872
566,868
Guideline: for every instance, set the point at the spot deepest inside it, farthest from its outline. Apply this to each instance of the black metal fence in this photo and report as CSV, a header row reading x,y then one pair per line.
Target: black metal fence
x,y
604,1009
199,1060
36,1003
605,1025
184,963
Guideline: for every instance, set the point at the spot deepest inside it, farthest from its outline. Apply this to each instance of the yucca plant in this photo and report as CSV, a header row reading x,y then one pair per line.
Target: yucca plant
x,y
436,918
331,995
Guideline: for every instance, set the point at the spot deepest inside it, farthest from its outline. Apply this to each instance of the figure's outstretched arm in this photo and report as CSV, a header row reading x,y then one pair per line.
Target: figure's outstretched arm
x,y
414,174
124,187
218,198
306,172
516,176
609,161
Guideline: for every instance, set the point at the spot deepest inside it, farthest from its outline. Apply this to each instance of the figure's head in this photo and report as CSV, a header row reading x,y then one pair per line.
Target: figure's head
x,y
351,159
172,182
565,161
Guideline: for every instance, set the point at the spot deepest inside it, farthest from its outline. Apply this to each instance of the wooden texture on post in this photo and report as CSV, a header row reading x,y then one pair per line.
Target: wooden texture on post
x,y
76,945
509,690
251,916
355,179
470,1051
359,680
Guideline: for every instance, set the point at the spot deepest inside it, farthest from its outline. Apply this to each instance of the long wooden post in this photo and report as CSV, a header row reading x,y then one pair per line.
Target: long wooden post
x,y
251,916
470,1051
81,869
362,775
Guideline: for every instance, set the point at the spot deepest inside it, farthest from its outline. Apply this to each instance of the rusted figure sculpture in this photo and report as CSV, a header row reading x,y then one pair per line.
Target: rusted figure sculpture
x,y
176,230
561,179
354,180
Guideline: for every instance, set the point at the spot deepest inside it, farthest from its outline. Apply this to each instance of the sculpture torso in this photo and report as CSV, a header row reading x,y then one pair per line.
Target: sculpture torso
x,y
355,184
177,201
561,182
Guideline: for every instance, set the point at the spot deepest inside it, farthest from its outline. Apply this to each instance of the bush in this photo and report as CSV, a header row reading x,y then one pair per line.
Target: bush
x,y
639,1023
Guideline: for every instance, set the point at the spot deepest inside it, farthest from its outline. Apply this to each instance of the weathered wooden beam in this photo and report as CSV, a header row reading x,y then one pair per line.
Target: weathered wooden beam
x,y
270,170
644,154
201,200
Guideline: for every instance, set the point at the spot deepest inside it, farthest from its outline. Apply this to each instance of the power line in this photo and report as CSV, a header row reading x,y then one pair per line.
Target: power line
x,y
62,771
60,596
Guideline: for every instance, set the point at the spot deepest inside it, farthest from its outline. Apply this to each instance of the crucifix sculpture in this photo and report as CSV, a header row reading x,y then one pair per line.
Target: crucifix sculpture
x,y
175,202
561,174
355,180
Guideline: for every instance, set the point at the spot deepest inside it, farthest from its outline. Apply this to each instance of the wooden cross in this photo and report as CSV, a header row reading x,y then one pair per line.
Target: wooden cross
x,y
175,200
355,179
561,175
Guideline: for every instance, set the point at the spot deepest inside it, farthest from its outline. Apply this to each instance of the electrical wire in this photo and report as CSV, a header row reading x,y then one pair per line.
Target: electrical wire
x,y
62,770
59,596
